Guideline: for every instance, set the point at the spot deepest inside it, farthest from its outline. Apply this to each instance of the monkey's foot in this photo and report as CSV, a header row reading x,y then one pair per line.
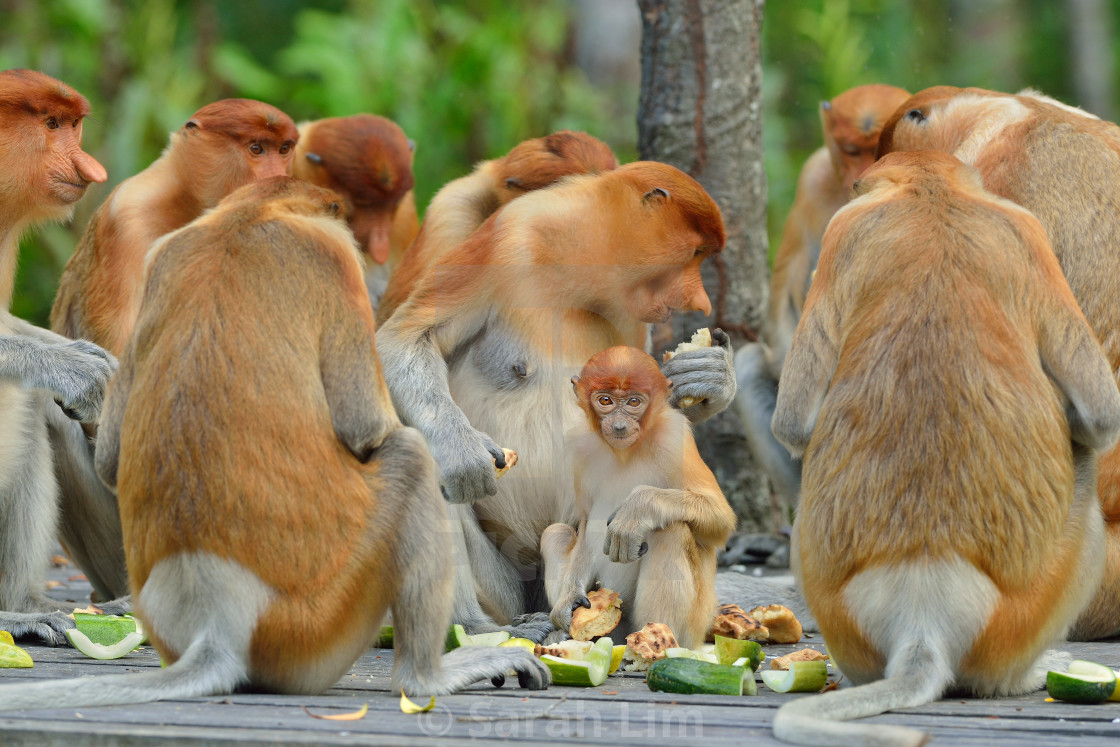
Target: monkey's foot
x,y
119,606
46,626
535,626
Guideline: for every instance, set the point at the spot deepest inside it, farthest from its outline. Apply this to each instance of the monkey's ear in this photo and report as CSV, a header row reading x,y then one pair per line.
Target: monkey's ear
x,y
411,144
514,183
315,158
670,383
333,209
192,124
656,194
826,106
575,384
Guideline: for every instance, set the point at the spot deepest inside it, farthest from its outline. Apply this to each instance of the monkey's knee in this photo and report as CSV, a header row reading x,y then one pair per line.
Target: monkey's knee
x,y
556,542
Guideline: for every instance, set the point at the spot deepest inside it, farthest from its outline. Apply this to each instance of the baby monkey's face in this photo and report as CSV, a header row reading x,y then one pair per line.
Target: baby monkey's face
x,y
620,415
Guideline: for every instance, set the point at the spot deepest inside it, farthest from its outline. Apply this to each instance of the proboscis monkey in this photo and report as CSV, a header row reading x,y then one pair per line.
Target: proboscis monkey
x,y
480,355
462,205
255,326
947,397
368,161
45,172
222,147
1063,165
851,123
650,516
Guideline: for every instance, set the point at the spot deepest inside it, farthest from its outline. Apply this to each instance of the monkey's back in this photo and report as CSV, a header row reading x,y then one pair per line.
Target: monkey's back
x,y
227,443
940,434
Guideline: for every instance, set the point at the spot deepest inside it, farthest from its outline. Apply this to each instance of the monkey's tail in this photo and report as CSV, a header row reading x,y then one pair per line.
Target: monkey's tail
x,y
919,675
208,667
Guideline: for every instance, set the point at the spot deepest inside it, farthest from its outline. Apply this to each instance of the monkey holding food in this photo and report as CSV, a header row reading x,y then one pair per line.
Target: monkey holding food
x,y
650,515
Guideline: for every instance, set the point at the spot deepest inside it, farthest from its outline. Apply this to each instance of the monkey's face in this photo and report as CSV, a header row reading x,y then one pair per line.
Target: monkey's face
x,y
620,415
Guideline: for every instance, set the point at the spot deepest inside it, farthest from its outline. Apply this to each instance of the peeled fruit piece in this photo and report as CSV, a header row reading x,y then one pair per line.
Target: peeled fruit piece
x,y
805,654
729,650
126,645
801,677
590,671
1085,682
514,642
6,637
12,656
616,657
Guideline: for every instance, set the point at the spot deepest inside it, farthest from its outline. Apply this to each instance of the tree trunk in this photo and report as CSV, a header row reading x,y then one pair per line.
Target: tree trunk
x,y
1090,35
700,110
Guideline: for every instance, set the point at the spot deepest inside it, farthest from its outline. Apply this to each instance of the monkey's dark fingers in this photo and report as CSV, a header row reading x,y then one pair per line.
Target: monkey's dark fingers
x,y
68,412
643,549
534,679
582,602
49,627
498,454
500,679
721,338
708,359
535,626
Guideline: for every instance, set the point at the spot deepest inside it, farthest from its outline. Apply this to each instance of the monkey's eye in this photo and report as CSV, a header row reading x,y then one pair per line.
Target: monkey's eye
x,y
849,149
634,401
52,123
256,148
285,148
605,401
75,123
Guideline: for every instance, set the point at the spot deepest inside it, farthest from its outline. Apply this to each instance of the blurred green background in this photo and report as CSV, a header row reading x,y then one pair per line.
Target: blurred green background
x,y
468,80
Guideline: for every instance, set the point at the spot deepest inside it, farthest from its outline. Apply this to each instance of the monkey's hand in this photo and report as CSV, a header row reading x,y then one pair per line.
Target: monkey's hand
x,y
468,466
561,614
76,372
706,376
629,526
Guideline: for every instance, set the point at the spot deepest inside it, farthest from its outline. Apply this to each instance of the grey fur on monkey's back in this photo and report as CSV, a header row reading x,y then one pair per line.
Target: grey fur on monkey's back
x,y
749,591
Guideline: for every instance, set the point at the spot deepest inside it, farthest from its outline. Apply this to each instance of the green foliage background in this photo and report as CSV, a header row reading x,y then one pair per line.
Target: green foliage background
x,y
468,80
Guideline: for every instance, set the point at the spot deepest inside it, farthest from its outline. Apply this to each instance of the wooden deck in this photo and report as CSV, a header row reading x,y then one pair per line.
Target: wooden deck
x,y
621,712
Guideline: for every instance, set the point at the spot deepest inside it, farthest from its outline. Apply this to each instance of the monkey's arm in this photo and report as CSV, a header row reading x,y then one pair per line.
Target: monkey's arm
x,y
699,503
106,457
1072,357
361,410
806,374
413,346
707,375
76,371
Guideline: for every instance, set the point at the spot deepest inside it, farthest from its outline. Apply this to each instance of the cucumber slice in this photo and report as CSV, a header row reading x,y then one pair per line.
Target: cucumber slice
x,y
489,639
728,650
590,671
126,645
456,638
802,677
105,630
682,675
1085,682
12,656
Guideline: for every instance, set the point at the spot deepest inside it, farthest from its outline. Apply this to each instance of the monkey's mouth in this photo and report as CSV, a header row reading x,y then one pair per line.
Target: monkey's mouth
x,y
624,441
69,191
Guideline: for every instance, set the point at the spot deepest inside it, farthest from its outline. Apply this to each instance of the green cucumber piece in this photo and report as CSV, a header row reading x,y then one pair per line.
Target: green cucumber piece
x,y
693,676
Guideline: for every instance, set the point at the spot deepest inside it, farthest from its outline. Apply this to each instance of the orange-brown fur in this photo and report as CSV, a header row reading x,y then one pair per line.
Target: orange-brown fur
x,y
946,393
207,159
659,496
851,123
368,161
518,293
1064,166
464,204
45,172
255,333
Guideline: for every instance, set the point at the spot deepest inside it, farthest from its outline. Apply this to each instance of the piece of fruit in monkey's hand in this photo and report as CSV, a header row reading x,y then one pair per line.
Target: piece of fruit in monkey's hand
x,y
702,339
599,619
732,622
784,627
645,646
511,459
